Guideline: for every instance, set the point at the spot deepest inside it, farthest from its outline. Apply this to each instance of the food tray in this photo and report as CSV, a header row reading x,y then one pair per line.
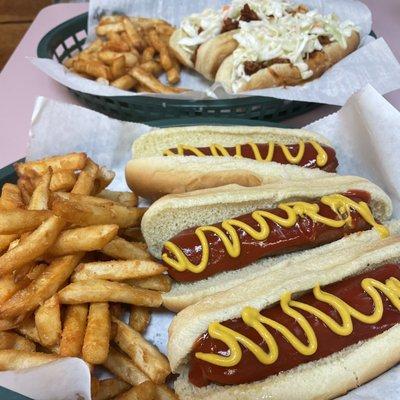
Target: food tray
x,y
7,174
66,38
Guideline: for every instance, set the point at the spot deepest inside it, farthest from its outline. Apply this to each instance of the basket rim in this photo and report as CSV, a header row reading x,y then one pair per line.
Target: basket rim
x,y
43,51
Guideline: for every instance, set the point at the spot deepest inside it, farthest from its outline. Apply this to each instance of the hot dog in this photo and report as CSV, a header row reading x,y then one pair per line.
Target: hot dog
x,y
205,39
176,160
315,335
211,240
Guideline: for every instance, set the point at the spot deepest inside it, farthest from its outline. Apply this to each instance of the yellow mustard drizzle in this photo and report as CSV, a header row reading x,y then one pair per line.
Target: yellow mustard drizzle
x,y
219,150
339,203
253,318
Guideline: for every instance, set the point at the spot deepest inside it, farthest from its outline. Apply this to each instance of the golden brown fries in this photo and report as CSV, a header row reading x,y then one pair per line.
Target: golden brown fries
x,y
143,391
63,180
121,248
40,289
80,211
60,215
109,388
11,197
139,318
117,270
97,290
124,368
146,356
162,283
163,392
48,322
86,179
19,359
74,330
97,336
40,196
89,238
124,43
32,246
19,221
127,199
13,341
73,161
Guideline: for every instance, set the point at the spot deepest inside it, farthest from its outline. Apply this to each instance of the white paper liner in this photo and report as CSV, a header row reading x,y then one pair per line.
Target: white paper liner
x,y
372,63
365,134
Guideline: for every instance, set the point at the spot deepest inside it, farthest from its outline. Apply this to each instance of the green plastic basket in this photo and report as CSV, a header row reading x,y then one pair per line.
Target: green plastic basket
x,y
70,36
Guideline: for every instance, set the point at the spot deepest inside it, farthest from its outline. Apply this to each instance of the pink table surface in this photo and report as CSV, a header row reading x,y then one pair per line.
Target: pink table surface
x,y
21,82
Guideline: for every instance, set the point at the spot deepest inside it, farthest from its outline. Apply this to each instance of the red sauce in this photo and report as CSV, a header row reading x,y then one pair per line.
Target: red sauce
x,y
309,159
304,234
249,369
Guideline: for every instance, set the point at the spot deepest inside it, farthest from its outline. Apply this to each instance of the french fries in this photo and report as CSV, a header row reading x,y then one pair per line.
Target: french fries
x,y
19,359
117,270
109,388
162,283
11,197
139,318
125,43
31,247
80,212
124,368
19,221
65,274
146,356
90,238
143,391
121,248
42,288
13,341
96,290
48,322
127,199
97,336
74,330
72,161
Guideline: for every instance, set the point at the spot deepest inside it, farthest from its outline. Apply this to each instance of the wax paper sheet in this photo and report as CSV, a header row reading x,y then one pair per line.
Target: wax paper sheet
x,y
365,134
373,62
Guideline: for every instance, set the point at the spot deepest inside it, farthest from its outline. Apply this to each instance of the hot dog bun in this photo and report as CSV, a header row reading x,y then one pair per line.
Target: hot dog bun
x,y
174,213
151,175
281,74
154,177
212,53
323,379
158,140
184,56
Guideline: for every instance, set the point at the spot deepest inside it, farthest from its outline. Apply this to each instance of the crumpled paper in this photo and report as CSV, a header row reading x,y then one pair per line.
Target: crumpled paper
x,y
372,63
364,133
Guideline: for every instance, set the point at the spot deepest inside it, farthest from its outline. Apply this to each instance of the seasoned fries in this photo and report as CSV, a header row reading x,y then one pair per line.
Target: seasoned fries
x,y
143,391
146,356
13,341
125,43
121,248
19,359
74,330
96,290
97,336
48,322
89,238
139,318
20,221
66,276
117,270
31,247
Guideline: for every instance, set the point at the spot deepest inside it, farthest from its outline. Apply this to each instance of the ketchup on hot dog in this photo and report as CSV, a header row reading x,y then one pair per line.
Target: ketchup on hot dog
x,y
304,234
249,369
308,160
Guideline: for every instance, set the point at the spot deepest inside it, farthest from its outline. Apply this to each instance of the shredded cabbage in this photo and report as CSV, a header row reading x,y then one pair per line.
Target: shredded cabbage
x,y
292,37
